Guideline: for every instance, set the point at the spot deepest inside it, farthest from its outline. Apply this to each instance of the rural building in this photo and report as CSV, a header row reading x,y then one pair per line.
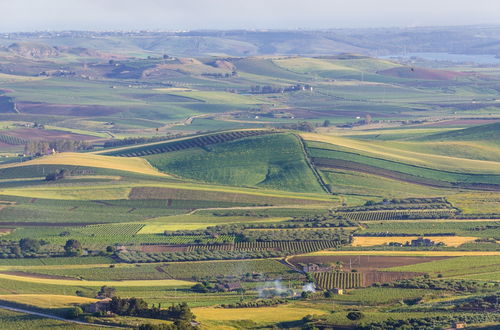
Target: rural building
x,y
99,306
229,286
315,268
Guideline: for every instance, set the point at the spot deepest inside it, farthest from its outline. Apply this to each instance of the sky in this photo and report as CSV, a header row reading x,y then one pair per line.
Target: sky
x,y
98,15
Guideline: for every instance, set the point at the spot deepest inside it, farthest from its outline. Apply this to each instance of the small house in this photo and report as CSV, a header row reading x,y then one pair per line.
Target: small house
x,y
99,306
315,268
229,286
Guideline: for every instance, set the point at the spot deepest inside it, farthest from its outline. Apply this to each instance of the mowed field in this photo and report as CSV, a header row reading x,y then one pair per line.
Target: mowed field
x,y
260,315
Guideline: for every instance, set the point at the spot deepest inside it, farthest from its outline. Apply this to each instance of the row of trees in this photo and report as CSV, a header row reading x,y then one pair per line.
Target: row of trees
x,y
448,285
139,307
39,148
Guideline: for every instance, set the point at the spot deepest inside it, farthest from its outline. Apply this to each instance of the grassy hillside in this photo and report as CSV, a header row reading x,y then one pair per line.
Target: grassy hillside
x,y
273,161
489,132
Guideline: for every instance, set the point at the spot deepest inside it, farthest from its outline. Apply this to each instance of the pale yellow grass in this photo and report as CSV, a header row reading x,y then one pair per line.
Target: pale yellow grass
x,y
447,240
382,150
129,164
5,77
281,313
128,283
47,300
405,253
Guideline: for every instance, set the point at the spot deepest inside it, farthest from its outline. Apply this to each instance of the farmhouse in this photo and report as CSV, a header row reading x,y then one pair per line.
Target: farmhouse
x,y
315,268
98,306
229,286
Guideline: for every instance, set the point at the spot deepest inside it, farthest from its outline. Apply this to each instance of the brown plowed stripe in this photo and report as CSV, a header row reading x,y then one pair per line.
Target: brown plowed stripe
x,y
363,168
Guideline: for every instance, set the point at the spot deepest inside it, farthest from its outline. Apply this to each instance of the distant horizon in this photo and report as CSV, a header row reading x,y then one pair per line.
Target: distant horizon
x,y
158,30
189,15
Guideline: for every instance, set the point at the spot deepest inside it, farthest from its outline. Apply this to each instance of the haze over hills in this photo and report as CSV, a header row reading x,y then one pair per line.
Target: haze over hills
x,y
374,42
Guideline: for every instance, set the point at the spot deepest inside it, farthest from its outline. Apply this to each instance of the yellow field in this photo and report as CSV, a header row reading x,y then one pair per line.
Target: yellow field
x,y
405,253
163,283
47,300
447,240
281,313
383,150
129,164
5,77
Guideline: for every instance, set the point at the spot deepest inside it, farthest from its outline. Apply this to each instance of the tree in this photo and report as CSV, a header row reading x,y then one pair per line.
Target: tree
x,y
106,291
54,176
354,316
29,245
73,248
200,288
326,123
75,312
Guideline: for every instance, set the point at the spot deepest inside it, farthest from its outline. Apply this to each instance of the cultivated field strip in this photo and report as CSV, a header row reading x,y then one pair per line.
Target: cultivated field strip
x,y
197,142
339,280
398,214
302,246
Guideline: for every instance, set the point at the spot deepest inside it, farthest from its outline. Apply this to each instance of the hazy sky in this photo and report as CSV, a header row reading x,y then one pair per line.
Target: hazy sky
x,y
28,15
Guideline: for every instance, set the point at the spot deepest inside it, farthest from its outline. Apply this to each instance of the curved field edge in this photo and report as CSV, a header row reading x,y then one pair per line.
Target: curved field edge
x,y
130,164
379,149
275,161
127,283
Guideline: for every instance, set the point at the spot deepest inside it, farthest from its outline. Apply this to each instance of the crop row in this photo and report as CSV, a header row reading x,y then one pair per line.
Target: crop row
x,y
200,141
292,246
398,214
339,280
13,140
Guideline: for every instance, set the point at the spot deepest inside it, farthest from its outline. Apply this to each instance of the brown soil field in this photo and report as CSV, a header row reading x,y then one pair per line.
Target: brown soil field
x,y
66,109
421,73
186,194
363,263
48,134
